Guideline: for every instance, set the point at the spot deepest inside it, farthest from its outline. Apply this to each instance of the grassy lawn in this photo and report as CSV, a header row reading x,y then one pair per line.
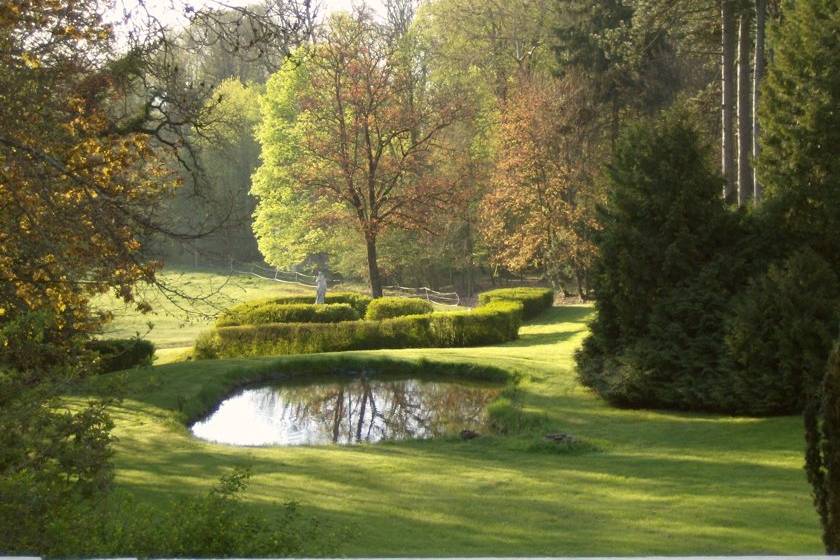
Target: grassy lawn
x,y
657,483
175,322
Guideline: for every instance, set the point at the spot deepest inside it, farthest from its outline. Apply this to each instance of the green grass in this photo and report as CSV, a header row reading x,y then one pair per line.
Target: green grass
x,y
656,482
176,322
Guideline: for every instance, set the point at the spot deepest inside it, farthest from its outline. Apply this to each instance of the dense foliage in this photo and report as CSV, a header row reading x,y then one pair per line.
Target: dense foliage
x,y
495,322
271,312
359,303
114,354
822,456
800,114
780,330
350,135
214,524
533,300
678,324
389,307
539,211
663,223
52,460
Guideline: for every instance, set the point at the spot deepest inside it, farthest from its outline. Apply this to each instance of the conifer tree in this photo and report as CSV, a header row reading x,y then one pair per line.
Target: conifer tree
x,y
822,456
800,115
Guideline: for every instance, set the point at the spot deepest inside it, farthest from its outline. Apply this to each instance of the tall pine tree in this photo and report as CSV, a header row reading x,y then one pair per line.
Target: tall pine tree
x,y
799,163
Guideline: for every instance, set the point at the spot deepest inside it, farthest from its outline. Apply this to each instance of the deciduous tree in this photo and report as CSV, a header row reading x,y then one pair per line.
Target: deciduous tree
x,y
539,212
360,137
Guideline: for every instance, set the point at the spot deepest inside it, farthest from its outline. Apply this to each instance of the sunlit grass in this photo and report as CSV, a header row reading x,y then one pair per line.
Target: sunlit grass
x,y
175,322
656,483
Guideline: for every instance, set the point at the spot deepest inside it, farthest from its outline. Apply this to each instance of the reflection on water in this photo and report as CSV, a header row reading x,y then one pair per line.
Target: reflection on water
x,y
361,411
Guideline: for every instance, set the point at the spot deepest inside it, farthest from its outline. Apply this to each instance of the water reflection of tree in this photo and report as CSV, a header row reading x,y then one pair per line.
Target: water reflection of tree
x,y
369,410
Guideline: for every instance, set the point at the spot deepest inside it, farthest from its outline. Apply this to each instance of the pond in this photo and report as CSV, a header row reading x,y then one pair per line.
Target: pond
x,y
363,410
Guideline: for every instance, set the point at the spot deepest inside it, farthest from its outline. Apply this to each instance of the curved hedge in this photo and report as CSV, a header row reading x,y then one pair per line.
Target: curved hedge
x,y
534,300
289,313
390,307
494,323
357,301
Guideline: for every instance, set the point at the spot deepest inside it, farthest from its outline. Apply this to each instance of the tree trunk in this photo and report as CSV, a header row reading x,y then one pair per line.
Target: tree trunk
x,y
760,61
727,88
373,268
745,124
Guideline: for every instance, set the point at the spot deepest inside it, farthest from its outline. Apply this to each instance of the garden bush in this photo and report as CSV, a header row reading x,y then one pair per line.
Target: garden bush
x,y
389,307
677,364
780,333
491,324
358,302
289,313
122,353
668,261
822,454
534,300
699,307
215,524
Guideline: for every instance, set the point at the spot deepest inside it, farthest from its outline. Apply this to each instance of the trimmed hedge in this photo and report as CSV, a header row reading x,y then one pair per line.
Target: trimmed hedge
x,y
122,353
358,302
390,307
490,324
289,313
534,300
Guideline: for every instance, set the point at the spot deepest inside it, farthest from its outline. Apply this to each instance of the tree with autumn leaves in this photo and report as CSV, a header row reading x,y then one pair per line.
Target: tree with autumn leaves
x,y
93,138
351,136
538,213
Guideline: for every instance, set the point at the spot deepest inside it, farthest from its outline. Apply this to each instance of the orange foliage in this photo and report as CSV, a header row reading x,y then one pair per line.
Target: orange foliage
x,y
538,213
74,192
374,131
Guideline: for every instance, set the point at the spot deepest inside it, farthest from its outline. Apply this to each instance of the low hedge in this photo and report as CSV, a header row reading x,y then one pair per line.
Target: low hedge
x,y
490,324
533,300
390,307
122,353
289,313
358,302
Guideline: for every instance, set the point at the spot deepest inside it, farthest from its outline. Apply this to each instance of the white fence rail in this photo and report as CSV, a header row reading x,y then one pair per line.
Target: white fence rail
x,y
301,279
441,298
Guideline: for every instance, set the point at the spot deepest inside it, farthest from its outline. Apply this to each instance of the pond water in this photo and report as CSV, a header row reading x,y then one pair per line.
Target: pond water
x,y
359,411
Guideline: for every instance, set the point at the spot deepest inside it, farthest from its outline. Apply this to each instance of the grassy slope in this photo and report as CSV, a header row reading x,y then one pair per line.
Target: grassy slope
x,y
662,483
174,331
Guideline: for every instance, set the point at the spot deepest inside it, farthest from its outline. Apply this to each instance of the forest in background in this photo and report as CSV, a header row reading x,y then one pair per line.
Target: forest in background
x,y
633,151
524,100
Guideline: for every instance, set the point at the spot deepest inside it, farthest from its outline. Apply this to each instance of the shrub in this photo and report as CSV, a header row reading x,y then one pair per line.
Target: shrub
x,y
534,300
389,307
822,453
215,524
780,333
121,353
667,247
677,364
491,324
800,126
357,301
494,323
289,313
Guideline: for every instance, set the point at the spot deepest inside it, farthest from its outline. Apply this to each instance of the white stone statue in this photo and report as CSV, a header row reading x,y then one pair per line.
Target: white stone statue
x,y
320,287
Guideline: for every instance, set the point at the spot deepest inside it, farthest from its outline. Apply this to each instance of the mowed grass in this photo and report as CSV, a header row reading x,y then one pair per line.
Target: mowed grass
x,y
176,321
659,483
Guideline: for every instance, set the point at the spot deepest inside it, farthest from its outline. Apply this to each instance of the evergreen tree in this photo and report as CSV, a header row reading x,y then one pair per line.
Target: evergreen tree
x,y
822,456
663,221
800,114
